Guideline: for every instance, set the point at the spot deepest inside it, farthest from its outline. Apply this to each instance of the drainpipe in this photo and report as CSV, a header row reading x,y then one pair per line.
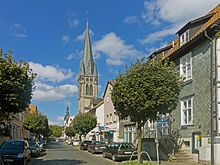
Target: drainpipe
x,y
211,93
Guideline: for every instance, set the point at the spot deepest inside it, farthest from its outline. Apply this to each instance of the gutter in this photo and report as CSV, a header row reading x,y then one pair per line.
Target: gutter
x,y
211,94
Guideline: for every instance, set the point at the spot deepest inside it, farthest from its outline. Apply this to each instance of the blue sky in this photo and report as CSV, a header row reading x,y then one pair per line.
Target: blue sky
x,y
49,35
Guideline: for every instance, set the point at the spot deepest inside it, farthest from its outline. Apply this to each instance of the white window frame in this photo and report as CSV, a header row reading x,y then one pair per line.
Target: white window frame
x,y
184,37
151,125
186,67
186,108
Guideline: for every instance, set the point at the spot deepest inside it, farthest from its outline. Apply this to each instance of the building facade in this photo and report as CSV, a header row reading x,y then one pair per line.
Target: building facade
x,y
113,126
196,52
88,77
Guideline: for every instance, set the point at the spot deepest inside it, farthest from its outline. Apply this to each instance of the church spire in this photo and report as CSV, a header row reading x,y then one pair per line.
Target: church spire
x,y
87,52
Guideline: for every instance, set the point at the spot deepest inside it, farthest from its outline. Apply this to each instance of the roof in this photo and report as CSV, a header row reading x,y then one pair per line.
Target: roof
x,y
213,16
112,83
33,109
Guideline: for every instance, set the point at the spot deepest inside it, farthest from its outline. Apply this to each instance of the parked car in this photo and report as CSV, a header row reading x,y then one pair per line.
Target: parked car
x,y
41,146
119,151
44,142
15,152
84,144
1,160
96,147
34,147
76,142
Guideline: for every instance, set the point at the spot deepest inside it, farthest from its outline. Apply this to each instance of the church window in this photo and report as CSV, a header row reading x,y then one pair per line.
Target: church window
x,y
87,89
87,79
91,89
91,79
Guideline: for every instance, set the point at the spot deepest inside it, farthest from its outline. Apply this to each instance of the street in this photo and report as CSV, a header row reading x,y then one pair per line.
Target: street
x,y
60,153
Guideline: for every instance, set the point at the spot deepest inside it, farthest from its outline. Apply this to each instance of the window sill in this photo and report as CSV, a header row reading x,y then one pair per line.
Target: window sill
x,y
185,126
185,82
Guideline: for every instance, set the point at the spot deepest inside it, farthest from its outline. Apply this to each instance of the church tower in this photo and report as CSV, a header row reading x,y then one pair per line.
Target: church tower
x,y
88,77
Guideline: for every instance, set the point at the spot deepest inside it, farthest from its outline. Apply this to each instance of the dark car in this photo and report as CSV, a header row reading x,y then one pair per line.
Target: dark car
x,y
84,144
96,147
119,151
15,152
34,147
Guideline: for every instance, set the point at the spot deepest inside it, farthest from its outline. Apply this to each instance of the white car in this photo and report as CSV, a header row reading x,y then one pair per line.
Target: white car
x,y
76,142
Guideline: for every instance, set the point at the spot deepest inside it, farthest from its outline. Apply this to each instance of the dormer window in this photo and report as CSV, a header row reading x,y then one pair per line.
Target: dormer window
x,y
184,37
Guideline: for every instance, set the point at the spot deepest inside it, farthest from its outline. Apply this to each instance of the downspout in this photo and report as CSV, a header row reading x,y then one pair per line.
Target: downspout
x,y
211,93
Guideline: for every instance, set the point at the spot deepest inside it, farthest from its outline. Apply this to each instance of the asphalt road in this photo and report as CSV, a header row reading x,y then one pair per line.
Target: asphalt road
x,y
60,153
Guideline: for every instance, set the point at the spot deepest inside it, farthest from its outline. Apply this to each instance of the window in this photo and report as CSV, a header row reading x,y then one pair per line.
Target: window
x,y
184,38
91,89
150,125
110,118
107,120
186,67
87,89
187,112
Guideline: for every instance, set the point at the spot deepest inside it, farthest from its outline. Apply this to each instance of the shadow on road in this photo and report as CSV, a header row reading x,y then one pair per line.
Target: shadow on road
x,y
58,162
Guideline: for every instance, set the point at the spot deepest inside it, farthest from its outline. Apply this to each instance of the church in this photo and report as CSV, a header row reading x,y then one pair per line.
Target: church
x,y
88,77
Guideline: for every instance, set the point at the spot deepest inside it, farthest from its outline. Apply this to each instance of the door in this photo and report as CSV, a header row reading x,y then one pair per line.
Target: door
x,y
196,141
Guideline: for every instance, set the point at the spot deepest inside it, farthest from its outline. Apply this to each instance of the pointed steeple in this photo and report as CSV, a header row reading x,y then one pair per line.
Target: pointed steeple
x,y
67,114
87,52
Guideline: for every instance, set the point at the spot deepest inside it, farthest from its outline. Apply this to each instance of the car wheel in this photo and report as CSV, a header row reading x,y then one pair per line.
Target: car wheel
x,y
113,158
103,154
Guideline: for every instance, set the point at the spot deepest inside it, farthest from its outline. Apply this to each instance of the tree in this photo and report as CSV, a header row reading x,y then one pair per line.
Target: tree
x,y
83,123
16,85
144,90
69,131
56,130
37,123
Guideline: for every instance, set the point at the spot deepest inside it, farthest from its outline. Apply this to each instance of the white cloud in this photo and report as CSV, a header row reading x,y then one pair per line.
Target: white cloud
x,y
74,55
81,37
174,12
65,38
71,19
73,23
158,35
116,49
131,19
45,92
18,30
50,73
57,121
184,10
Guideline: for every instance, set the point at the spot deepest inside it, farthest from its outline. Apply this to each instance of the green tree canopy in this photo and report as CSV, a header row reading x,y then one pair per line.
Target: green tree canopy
x,y
16,85
144,90
56,130
37,123
83,123
69,131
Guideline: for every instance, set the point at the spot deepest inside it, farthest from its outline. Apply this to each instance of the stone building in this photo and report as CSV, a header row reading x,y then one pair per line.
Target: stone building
x,y
196,52
88,77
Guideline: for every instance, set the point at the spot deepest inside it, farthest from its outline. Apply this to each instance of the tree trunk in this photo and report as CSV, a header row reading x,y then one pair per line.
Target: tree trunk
x,y
80,138
139,149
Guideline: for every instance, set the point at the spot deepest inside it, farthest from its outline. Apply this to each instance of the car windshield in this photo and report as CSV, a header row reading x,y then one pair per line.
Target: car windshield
x,y
33,144
127,146
98,142
15,145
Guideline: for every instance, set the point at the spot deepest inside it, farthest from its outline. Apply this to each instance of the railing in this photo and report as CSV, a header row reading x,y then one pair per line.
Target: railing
x,y
140,155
